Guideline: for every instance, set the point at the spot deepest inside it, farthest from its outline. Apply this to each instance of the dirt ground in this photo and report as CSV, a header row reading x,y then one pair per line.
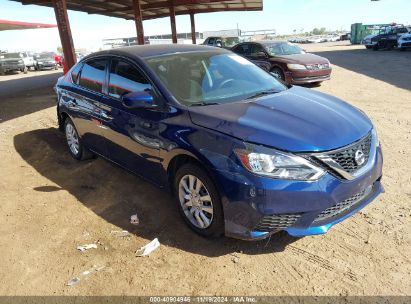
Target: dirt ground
x,y
51,203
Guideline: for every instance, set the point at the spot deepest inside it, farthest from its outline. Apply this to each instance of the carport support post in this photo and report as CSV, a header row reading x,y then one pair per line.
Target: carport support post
x,y
173,23
193,28
60,10
139,21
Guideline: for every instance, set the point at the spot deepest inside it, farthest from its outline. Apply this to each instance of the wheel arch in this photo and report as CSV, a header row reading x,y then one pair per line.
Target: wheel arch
x,y
178,159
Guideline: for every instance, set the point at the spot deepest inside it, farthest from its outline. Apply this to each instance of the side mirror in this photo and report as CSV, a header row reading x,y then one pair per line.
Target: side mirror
x,y
142,99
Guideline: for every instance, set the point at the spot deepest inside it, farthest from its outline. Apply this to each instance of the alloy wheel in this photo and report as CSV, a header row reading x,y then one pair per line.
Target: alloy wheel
x,y
196,202
72,139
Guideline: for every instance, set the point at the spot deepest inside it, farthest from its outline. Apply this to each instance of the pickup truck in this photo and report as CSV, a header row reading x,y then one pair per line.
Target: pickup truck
x,y
11,62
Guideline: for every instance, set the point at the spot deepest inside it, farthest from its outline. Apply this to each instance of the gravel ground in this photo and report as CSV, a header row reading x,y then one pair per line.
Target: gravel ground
x,y
50,204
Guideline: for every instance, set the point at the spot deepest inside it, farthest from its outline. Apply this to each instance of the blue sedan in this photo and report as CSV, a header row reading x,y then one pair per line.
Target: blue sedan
x,y
244,154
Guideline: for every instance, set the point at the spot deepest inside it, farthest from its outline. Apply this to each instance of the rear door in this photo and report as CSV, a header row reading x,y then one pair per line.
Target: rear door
x,y
81,101
132,135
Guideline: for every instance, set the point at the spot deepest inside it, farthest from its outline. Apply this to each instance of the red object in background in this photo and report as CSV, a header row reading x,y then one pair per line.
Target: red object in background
x,y
19,25
59,59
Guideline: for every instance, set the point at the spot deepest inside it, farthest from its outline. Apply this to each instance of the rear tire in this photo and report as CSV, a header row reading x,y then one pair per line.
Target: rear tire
x,y
74,143
198,201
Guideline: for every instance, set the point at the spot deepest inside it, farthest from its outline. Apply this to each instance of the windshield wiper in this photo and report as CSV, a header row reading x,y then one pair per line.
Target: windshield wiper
x,y
262,93
199,104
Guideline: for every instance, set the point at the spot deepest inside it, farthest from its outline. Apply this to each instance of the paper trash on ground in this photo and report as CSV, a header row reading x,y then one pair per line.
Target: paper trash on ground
x,y
86,247
147,249
134,220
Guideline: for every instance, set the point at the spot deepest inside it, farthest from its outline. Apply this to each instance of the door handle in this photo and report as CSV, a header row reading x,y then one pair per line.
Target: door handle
x,y
72,103
105,116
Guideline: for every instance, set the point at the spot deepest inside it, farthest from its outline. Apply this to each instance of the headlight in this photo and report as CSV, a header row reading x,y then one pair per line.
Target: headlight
x,y
293,66
21,61
278,164
40,62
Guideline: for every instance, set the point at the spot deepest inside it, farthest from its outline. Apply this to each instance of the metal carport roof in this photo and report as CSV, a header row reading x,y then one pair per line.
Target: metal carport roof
x,y
152,9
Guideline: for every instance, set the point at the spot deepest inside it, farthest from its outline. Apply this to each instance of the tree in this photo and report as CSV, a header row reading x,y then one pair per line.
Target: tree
x,y
320,31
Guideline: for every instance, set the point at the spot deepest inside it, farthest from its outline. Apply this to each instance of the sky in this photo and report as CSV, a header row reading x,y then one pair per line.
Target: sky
x,y
282,15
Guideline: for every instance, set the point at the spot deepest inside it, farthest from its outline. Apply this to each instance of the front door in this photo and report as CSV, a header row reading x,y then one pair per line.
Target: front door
x,y
132,135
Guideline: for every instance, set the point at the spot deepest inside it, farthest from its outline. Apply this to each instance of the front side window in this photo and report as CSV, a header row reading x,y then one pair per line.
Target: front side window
x,y
93,74
212,77
243,49
125,78
256,50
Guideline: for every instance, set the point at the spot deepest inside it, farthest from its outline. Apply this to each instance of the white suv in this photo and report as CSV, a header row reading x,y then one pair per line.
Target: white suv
x,y
28,59
404,41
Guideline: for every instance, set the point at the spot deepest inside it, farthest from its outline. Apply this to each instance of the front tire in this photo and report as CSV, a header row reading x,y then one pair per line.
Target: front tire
x,y
279,72
198,201
76,147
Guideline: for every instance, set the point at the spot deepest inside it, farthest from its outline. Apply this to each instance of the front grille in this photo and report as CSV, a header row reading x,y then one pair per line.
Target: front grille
x,y
324,77
346,157
277,221
320,66
343,206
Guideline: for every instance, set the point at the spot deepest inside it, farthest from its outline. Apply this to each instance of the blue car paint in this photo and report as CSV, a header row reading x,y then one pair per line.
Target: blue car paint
x,y
296,120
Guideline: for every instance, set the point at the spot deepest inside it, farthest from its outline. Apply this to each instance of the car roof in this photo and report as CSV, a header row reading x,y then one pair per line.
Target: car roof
x,y
146,51
267,42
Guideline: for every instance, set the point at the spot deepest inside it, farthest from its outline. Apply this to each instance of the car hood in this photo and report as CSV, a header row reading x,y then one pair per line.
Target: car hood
x,y
302,58
296,120
10,59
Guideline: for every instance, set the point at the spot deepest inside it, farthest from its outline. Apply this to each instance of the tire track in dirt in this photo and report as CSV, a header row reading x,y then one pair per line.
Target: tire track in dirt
x,y
323,263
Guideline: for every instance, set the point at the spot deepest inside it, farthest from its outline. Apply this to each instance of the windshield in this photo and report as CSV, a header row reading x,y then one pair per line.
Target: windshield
x,y
44,55
286,48
230,41
199,78
11,55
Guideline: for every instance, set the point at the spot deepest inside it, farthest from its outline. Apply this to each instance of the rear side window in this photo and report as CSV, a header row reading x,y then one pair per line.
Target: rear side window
x,y
93,74
75,73
125,78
